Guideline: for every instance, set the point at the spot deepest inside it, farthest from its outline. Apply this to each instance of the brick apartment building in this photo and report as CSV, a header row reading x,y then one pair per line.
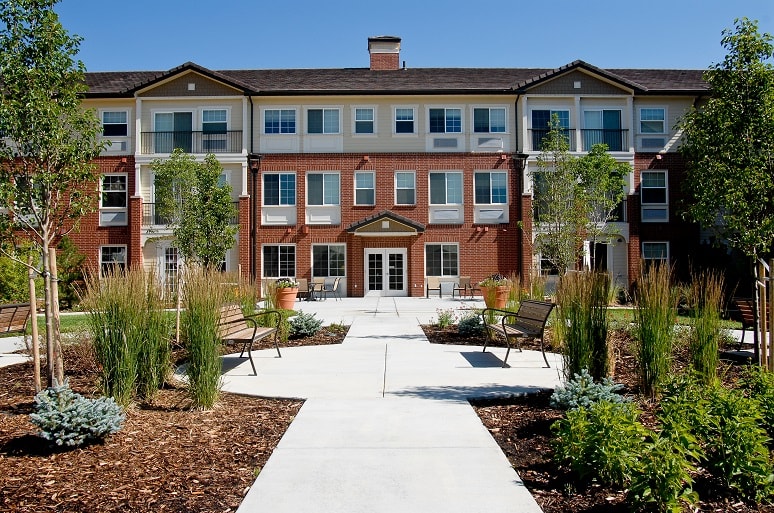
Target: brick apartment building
x,y
386,175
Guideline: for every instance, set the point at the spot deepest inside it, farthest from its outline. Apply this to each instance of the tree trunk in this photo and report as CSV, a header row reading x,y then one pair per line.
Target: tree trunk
x,y
59,364
34,327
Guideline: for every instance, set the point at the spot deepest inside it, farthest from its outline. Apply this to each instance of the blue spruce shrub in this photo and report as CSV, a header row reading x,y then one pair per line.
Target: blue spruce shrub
x,y
304,324
67,418
470,325
582,391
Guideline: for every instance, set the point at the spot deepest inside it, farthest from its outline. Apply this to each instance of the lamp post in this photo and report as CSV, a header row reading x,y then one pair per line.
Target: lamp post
x,y
254,163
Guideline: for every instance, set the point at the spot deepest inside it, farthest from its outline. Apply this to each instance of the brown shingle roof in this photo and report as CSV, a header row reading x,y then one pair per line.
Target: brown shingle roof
x,y
403,81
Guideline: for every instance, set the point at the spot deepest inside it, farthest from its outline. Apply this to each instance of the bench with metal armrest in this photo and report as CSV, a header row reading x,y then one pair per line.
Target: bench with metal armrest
x,y
235,326
529,322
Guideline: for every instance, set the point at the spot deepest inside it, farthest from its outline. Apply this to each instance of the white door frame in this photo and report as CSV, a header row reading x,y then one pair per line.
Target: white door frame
x,y
386,252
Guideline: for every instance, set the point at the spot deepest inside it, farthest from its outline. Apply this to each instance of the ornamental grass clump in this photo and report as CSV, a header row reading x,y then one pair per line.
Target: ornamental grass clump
x,y
582,325
655,316
705,298
203,296
69,419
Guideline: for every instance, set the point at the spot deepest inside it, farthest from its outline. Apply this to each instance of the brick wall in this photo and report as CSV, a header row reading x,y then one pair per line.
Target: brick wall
x,y
385,61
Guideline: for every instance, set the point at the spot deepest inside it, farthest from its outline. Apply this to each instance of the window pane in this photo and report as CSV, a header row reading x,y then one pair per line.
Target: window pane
x,y
497,120
364,121
481,188
336,259
653,195
114,191
651,179
271,189
499,188
331,121
287,121
541,119
453,121
314,192
437,188
271,120
454,188
288,189
481,120
449,260
319,261
315,121
210,116
433,260
331,188
404,121
436,121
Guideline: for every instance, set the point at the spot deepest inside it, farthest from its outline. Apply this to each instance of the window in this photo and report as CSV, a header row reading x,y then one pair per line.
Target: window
x,y
113,200
652,121
490,188
364,120
214,128
173,130
171,268
279,261
490,120
541,125
404,121
112,259
405,188
279,189
328,260
654,196
446,188
279,121
602,127
115,124
322,121
445,121
442,259
322,189
365,192
655,252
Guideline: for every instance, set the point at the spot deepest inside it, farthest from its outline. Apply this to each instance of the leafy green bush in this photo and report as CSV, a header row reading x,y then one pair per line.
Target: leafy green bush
x,y
582,391
759,384
304,324
470,325
602,441
67,418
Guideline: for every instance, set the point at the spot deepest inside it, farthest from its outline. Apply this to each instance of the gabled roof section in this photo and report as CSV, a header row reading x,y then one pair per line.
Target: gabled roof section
x,y
578,65
129,83
386,223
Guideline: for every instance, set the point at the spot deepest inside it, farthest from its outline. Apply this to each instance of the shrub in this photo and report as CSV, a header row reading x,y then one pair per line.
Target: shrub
x,y
582,325
446,317
655,315
759,384
582,391
470,325
67,418
602,441
304,324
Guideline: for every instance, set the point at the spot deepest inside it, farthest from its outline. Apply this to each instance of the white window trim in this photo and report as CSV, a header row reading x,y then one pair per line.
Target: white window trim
x,y
214,107
355,188
442,244
489,108
322,108
642,255
129,120
263,189
323,204
328,245
114,209
507,187
460,108
639,121
354,109
445,172
192,111
263,263
395,187
655,206
278,107
126,254
551,110
414,108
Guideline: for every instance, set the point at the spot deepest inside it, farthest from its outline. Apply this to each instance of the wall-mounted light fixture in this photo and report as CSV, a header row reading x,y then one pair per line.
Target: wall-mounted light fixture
x,y
366,158
254,163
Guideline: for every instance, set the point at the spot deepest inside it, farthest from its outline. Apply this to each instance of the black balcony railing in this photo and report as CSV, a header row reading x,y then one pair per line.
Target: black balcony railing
x,y
191,142
151,218
539,134
615,139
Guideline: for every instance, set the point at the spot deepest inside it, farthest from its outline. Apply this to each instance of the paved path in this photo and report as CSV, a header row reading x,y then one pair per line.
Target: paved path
x,y
386,426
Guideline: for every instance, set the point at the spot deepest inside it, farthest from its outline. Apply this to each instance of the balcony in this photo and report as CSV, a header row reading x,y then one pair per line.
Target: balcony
x,y
616,139
191,142
151,218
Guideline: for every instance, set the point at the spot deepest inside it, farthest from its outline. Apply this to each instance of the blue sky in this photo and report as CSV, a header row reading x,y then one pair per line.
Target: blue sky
x,y
244,34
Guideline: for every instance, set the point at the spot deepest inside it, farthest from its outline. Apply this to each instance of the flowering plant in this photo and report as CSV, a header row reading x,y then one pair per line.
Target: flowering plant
x,y
285,283
494,280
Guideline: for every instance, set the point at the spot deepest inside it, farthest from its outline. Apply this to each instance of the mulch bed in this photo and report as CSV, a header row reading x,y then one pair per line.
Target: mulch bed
x,y
172,458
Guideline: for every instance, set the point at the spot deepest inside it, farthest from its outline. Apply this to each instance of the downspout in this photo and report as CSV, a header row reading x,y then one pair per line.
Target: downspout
x,y
252,194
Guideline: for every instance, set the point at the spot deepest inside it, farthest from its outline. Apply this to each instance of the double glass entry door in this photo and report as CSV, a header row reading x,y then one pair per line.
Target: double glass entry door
x,y
386,272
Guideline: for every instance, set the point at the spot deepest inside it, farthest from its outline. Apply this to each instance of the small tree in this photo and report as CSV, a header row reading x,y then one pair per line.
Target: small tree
x,y
729,144
198,207
49,141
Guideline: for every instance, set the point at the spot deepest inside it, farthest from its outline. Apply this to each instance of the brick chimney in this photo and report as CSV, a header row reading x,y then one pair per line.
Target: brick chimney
x,y
385,53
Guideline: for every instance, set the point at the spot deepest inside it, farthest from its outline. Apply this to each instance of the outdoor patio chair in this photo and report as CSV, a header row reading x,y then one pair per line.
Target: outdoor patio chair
x,y
464,287
331,286
433,283
303,288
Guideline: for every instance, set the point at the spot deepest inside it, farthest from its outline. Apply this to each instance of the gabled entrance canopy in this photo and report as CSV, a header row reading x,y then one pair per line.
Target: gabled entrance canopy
x,y
385,224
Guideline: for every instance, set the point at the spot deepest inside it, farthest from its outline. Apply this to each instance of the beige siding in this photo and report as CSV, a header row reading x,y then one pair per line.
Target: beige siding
x,y
181,86
233,105
121,145
589,85
676,108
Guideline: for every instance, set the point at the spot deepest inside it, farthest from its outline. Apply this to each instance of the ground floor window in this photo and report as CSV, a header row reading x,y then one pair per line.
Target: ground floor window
x,y
328,260
112,259
442,260
655,252
279,261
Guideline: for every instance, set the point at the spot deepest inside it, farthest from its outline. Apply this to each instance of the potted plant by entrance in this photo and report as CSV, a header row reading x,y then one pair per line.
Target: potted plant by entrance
x,y
495,289
285,291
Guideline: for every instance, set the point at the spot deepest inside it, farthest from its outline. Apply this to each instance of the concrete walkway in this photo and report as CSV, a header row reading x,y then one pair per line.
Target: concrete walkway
x,y
386,426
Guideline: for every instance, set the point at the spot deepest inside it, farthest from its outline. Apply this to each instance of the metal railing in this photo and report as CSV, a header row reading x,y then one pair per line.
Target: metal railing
x,y
539,134
191,142
152,218
616,139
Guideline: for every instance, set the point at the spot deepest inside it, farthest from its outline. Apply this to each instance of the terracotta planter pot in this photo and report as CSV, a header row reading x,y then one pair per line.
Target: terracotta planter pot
x,y
285,298
495,297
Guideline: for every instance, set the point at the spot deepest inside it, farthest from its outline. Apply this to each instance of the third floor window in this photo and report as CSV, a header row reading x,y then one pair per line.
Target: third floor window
x,y
322,121
445,121
279,121
114,123
489,120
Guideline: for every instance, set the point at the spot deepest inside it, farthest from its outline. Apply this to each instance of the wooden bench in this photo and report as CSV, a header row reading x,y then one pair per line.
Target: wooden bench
x,y
233,325
529,322
14,317
745,315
